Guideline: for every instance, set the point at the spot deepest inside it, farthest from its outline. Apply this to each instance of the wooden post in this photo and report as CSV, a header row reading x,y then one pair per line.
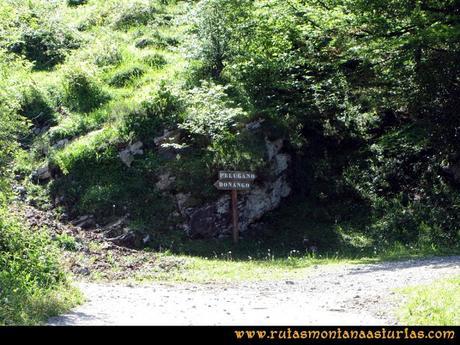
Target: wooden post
x,y
235,216
235,181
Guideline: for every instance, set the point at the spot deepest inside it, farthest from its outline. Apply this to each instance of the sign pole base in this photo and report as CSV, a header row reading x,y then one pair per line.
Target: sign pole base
x,y
235,216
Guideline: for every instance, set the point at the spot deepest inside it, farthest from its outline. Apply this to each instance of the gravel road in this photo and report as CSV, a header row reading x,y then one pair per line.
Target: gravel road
x,y
330,295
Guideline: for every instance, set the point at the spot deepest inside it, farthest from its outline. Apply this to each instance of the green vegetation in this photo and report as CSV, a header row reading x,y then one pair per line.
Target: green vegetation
x,y
365,95
434,304
242,265
223,268
81,90
355,87
33,285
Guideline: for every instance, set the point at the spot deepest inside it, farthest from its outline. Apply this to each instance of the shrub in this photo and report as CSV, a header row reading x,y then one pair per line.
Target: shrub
x,y
137,13
76,2
422,223
36,108
82,91
192,169
47,45
125,76
144,42
155,60
210,112
12,125
29,271
238,151
158,40
66,242
146,120
92,149
110,56
168,2
213,24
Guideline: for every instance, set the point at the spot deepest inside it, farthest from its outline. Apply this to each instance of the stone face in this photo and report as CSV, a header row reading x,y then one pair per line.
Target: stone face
x,y
84,222
273,147
136,148
203,222
455,170
116,227
182,201
165,181
130,239
214,219
43,173
167,137
261,200
127,155
167,144
255,124
61,144
280,163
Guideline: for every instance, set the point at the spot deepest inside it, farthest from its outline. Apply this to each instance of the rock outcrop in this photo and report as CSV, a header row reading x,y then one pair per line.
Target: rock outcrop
x,y
164,181
84,222
42,174
214,219
127,155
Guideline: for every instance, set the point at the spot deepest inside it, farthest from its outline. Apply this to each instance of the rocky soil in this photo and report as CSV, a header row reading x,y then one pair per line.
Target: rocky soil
x,y
95,253
329,295
336,294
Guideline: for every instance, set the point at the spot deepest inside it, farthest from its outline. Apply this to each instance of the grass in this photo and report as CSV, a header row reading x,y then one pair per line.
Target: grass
x,y
38,307
206,270
225,268
33,283
91,96
237,264
124,57
272,254
435,304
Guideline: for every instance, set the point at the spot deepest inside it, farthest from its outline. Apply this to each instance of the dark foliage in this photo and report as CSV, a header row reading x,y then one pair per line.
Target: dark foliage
x,y
46,46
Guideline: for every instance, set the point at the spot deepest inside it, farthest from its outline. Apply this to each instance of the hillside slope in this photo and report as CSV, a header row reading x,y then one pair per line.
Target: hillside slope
x,y
347,118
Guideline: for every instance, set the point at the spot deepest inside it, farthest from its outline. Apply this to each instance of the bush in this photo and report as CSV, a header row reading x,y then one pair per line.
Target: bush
x,y
29,272
210,112
12,126
400,181
144,42
244,150
66,242
125,76
420,223
214,23
36,108
146,120
47,45
155,60
110,56
82,91
92,173
76,2
137,13
158,40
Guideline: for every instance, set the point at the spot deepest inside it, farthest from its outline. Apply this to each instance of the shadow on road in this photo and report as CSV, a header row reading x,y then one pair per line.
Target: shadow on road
x,y
429,263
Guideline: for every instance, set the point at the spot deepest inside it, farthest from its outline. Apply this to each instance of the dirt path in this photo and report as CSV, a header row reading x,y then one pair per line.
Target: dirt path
x,y
330,295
